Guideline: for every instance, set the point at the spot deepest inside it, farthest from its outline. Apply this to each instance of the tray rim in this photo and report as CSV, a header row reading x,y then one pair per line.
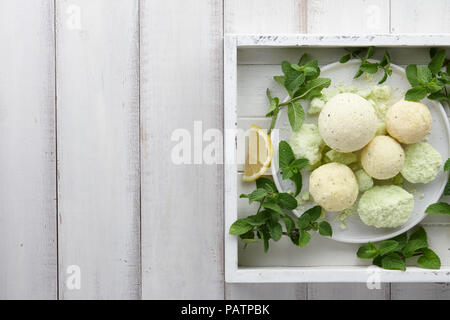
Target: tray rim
x,y
236,274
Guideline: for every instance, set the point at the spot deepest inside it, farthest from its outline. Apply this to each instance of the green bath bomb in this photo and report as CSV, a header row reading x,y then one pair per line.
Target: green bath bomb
x,y
422,163
385,206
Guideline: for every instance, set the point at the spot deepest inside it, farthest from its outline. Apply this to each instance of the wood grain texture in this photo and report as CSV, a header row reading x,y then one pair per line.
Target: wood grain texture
x,y
420,16
98,147
420,291
265,16
349,17
266,291
182,205
28,268
347,291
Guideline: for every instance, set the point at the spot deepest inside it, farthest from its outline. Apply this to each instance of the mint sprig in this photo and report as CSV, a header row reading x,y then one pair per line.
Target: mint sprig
x,y
290,166
429,80
266,223
366,66
301,81
441,207
392,254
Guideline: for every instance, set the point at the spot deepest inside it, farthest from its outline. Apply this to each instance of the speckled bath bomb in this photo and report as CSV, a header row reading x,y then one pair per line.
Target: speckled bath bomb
x,y
408,121
383,158
385,206
347,122
333,186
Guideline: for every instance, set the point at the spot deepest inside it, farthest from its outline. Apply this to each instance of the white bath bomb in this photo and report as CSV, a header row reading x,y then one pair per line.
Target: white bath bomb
x,y
383,158
408,121
333,186
347,122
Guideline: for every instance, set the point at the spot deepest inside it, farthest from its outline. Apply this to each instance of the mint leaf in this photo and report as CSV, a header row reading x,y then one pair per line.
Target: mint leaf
x,y
303,59
256,195
285,155
437,61
447,189
412,246
239,227
401,240
298,181
367,251
370,52
285,67
299,164
314,213
388,246
420,234
325,229
393,261
275,231
296,115
439,96
303,221
256,220
369,67
313,88
273,206
416,94
447,165
266,184
286,201
294,79
411,75
345,58
304,238
424,74
289,223
265,236
386,60
429,260
438,208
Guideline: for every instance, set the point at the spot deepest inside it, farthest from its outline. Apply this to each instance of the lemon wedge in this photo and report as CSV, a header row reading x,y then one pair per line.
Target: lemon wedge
x,y
259,154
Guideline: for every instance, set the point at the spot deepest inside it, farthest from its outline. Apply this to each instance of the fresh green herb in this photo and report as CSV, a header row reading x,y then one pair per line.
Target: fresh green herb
x,y
392,254
301,81
441,207
265,224
429,81
367,66
438,208
289,166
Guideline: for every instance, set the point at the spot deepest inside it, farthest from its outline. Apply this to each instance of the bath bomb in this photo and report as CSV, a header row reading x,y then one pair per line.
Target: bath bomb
x,y
333,186
385,206
408,121
382,158
347,122
422,163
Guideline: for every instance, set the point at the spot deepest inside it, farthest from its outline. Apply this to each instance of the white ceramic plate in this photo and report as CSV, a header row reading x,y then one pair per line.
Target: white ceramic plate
x,y
425,194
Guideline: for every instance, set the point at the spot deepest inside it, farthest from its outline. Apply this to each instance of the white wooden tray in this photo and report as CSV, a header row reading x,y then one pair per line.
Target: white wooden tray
x,y
250,61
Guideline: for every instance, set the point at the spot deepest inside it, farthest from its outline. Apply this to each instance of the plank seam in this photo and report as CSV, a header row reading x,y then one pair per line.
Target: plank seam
x,y
56,149
140,148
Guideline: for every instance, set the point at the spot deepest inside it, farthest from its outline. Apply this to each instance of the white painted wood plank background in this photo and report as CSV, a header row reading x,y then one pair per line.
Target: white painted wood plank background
x,y
28,262
110,147
98,147
182,205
